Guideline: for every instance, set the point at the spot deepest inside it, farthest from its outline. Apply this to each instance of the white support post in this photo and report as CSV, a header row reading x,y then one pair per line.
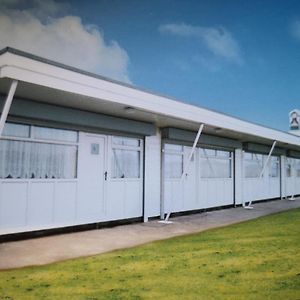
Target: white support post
x,y
283,176
186,169
292,198
262,172
7,104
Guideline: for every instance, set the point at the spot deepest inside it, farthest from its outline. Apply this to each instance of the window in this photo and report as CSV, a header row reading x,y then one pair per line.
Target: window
x,y
126,164
215,163
173,165
28,159
173,161
173,148
297,165
52,134
253,164
125,141
126,158
288,167
274,166
16,130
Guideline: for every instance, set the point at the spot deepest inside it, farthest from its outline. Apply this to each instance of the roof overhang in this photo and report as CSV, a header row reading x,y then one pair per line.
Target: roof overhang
x,y
45,81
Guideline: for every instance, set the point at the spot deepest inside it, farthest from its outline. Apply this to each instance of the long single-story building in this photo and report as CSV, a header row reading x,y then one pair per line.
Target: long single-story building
x,y
77,148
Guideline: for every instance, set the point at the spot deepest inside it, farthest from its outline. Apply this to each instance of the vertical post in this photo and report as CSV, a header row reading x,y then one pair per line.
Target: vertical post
x,y
7,104
283,176
238,176
293,173
162,182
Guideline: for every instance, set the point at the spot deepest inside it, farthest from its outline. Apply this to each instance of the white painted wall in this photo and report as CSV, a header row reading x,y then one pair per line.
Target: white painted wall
x,y
36,204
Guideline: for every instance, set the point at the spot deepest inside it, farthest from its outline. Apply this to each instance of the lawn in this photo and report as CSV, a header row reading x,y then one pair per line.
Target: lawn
x,y
259,259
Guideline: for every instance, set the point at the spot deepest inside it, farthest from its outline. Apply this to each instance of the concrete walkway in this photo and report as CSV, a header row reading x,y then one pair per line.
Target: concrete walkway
x,y
46,250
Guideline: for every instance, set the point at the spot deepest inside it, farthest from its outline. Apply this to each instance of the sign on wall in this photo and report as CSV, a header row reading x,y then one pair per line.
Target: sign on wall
x,y
295,119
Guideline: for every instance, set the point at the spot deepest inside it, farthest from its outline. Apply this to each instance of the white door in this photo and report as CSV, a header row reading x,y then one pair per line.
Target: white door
x,y
91,176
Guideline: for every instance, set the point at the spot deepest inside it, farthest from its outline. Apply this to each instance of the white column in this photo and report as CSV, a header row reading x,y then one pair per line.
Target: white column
x,y
239,177
7,104
283,176
152,196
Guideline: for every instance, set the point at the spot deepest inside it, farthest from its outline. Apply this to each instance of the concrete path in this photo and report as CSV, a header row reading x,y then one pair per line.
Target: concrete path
x,y
46,250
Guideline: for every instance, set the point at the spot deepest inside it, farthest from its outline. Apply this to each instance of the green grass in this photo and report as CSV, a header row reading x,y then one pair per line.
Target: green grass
x,y
259,259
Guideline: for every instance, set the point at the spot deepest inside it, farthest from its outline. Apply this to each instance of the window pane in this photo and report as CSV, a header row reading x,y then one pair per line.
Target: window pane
x,y
223,153
53,134
288,167
175,148
126,141
173,165
274,168
125,163
16,130
253,164
248,156
37,160
215,168
207,152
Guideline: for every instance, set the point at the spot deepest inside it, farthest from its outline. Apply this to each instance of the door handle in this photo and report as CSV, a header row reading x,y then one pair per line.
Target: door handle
x,y
105,175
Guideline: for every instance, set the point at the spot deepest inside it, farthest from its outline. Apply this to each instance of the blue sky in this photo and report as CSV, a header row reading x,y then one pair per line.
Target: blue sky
x,y
237,57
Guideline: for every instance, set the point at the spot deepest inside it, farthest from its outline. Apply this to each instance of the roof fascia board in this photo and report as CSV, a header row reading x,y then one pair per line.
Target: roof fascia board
x,y
25,69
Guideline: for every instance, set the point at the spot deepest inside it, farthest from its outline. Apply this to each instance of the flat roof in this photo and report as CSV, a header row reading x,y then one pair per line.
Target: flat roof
x,y
35,70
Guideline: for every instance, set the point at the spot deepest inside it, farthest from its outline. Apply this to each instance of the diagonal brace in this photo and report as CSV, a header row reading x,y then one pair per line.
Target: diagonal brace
x,y
7,104
186,169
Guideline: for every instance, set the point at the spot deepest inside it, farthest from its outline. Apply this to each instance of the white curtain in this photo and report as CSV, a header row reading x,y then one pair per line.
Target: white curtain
x,y
20,159
125,163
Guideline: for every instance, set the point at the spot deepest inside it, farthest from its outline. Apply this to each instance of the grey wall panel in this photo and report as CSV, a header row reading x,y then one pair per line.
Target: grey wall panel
x,y
48,113
294,154
205,139
263,149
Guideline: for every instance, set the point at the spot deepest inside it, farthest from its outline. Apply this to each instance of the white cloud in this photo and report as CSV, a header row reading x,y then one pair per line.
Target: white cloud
x,y
37,29
295,29
217,40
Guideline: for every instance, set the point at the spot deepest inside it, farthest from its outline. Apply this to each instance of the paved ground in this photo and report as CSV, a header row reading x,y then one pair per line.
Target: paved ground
x,y
46,250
